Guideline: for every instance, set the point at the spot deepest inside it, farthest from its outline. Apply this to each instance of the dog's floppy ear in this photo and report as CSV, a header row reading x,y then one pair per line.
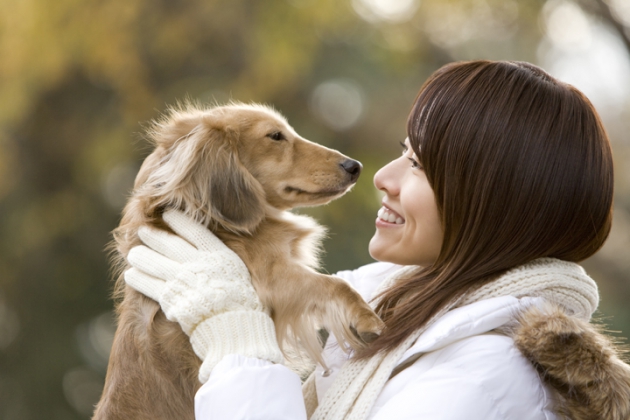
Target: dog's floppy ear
x,y
237,199
199,172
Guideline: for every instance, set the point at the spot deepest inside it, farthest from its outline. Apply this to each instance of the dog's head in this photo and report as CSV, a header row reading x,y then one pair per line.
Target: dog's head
x,y
231,164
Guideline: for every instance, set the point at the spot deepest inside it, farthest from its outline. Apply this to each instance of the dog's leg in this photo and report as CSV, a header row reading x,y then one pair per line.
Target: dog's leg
x,y
152,372
303,300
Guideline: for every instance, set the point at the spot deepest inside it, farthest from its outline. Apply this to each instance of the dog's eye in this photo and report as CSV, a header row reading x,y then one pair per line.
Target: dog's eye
x,y
276,135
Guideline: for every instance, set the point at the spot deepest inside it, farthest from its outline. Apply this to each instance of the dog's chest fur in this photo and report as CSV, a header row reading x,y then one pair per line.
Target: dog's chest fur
x,y
281,236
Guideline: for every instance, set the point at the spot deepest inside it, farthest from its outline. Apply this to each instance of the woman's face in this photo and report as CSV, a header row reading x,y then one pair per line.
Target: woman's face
x,y
408,229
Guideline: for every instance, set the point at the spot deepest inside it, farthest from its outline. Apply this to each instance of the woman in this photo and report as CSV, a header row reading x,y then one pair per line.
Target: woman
x,y
505,182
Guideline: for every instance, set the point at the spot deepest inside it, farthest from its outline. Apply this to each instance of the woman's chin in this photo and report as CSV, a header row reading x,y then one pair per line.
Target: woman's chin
x,y
373,248
379,250
383,249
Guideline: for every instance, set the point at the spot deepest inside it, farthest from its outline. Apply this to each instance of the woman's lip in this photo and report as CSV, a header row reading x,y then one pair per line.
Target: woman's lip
x,y
383,224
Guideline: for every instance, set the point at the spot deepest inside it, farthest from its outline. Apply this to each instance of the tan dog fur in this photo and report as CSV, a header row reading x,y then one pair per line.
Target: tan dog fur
x,y
223,167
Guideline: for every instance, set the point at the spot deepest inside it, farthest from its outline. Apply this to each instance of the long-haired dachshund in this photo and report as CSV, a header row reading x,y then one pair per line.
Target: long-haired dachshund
x,y
237,169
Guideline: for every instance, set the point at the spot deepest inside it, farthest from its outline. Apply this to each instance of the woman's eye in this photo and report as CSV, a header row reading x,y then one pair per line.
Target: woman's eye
x,y
276,135
415,164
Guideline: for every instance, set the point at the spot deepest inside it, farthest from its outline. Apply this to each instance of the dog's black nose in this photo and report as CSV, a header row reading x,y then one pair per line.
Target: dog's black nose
x,y
352,167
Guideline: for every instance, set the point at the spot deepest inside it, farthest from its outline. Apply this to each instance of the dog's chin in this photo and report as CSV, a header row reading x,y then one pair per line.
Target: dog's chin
x,y
304,198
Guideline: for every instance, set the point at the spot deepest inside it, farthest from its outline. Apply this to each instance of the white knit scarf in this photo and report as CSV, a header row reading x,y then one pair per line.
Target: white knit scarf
x,y
358,383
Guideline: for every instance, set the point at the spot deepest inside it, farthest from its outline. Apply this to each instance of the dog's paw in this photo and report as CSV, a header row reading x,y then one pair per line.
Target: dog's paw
x,y
347,316
360,325
367,325
368,337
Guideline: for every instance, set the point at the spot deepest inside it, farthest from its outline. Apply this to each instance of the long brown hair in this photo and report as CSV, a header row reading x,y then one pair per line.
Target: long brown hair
x,y
521,168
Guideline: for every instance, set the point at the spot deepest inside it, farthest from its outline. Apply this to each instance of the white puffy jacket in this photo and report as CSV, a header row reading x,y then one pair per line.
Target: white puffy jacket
x,y
467,371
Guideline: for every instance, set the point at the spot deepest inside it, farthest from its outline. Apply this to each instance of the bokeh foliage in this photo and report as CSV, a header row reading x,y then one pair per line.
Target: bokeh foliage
x,y
80,78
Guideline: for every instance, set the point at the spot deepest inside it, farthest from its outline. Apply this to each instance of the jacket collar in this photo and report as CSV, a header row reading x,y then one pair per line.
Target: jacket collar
x,y
469,320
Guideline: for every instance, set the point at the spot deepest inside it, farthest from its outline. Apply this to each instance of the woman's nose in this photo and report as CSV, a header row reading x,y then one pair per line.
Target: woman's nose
x,y
387,178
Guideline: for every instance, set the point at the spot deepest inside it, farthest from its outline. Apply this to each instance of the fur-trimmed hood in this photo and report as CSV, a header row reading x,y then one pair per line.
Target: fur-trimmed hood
x,y
577,360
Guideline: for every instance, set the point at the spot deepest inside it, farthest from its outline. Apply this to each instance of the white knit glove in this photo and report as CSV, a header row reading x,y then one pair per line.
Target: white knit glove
x,y
205,287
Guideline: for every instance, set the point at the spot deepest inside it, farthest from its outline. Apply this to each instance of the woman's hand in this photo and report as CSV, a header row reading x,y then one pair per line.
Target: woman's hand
x,y
205,287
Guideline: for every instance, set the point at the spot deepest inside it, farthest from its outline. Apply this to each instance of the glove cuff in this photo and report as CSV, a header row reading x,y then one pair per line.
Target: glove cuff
x,y
248,333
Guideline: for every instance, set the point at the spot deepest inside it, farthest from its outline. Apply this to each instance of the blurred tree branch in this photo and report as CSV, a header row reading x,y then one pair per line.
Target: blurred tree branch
x,y
601,9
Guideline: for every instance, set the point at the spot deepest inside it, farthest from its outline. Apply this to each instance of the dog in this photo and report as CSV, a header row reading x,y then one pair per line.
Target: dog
x,y
237,169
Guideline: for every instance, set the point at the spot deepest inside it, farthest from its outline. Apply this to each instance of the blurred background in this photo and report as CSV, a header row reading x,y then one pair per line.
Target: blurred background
x,y
79,79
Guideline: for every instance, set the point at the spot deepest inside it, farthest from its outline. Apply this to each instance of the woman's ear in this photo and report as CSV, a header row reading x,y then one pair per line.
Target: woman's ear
x,y
200,173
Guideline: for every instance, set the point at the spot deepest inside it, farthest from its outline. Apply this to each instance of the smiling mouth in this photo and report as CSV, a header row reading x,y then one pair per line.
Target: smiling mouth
x,y
389,216
321,193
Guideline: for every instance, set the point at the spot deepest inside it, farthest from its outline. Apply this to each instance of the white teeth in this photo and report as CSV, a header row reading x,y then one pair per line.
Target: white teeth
x,y
386,215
